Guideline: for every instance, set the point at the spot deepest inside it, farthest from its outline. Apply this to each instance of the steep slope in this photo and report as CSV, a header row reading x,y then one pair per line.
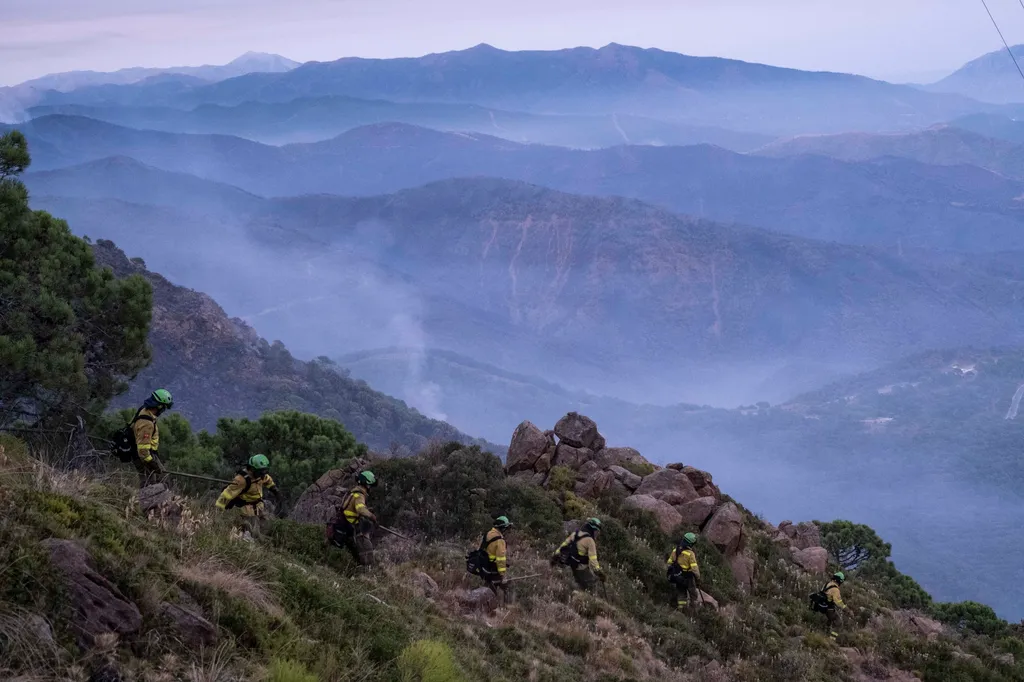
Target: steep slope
x,y
993,77
217,366
613,79
176,585
894,203
319,118
944,145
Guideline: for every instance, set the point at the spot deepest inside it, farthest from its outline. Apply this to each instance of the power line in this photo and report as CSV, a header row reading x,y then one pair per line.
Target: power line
x,y
1000,32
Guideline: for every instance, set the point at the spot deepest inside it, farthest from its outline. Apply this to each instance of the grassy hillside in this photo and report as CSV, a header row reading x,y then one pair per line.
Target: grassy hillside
x,y
279,611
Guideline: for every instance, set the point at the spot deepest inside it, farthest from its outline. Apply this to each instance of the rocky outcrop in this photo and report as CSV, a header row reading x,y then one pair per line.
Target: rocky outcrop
x,y
676,495
318,502
527,446
801,535
668,518
812,559
669,485
697,512
194,631
98,606
578,431
725,529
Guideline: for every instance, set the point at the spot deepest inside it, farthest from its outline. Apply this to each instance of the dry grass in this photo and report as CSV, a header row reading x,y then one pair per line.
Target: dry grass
x,y
26,638
239,583
213,667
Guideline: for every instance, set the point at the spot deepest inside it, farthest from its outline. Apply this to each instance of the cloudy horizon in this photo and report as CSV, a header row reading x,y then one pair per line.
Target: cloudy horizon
x,y
909,43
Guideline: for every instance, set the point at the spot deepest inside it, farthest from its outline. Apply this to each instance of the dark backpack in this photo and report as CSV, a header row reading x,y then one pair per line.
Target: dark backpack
x,y
478,561
570,554
125,448
819,600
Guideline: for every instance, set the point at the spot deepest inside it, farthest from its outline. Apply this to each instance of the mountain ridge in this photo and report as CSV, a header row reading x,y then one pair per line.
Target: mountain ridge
x,y
613,79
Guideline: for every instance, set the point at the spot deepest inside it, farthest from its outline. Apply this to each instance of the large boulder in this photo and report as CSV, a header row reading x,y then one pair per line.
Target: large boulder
x,y
482,598
725,529
319,501
669,485
578,431
544,462
609,457
571,456
702,482
919,624
668,518
626,477
97,606
742,567
812,559
595,484
696,512
194,631
801,535
528,444
153,497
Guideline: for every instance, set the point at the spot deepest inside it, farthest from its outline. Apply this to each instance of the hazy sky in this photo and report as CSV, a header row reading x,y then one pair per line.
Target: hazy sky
x,y
893,39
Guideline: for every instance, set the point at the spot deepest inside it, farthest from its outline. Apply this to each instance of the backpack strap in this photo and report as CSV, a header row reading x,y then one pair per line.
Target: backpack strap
x,y
485,543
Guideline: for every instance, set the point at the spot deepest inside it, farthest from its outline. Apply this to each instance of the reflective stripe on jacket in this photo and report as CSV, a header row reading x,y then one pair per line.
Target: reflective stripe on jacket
x,y
251,496
685,560
147,434
832,592
354,505
497,551
585,548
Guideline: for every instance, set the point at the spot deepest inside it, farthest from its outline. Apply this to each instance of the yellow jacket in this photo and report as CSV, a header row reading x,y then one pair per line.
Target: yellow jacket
x,y
252,496
585,547
832,592
354,505
147,434
497,551
686,560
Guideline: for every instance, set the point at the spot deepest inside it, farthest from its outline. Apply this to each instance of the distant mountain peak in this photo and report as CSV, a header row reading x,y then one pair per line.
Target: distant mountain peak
x,y
276,62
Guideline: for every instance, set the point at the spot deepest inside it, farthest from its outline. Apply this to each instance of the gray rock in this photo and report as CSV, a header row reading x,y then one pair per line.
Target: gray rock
x,y
670,485
481,598
543,463
588,469
626,477
609,457
742,568
668,518
154,497
572,457
98,606
39,628
596,484
812,559
528,444
426,585
696,512
320,500
725,529
577,430
194,631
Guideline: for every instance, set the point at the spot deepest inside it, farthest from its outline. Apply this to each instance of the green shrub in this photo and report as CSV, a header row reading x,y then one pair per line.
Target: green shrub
x,y
428,661
641,469
969,616
561,479
573,643
290,671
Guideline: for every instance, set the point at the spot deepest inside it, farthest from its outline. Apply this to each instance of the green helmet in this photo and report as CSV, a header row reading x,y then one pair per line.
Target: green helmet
x,y
690,539
368,478
258,462
840,576
502,523
161,397
593,524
